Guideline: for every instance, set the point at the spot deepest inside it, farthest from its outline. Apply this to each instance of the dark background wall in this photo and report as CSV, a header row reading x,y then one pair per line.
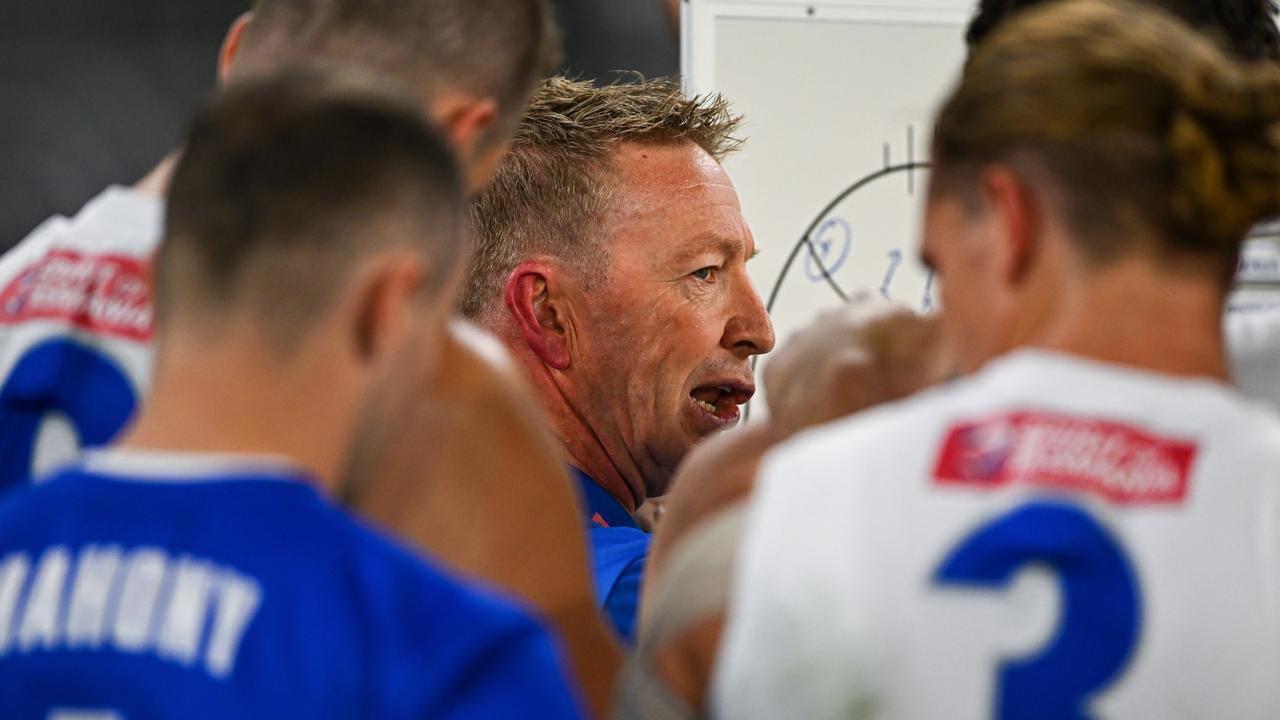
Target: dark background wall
x,y
95,92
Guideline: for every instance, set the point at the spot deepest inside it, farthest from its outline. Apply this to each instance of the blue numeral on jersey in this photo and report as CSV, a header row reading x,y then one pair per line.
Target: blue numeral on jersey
x,y
1101,605
65,377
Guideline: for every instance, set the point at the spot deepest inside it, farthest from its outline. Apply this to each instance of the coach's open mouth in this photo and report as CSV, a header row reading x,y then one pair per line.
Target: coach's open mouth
x,y
721,400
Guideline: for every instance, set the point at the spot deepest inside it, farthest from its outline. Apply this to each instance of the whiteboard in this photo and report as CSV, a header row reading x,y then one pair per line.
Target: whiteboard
x,y
837,97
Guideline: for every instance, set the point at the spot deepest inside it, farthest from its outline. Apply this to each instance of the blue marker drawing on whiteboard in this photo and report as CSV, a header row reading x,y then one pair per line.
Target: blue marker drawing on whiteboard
x,y
831,242
926,305
895,259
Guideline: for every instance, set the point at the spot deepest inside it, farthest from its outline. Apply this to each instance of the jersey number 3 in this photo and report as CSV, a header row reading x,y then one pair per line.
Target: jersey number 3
x,y
1101,605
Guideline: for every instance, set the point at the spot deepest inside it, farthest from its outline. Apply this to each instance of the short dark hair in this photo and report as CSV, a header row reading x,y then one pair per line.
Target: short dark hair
x,y
497,47
286,181
1245,28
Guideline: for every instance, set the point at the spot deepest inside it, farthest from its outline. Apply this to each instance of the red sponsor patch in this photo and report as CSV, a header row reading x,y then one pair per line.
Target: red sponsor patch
x,y
1117,462
105,294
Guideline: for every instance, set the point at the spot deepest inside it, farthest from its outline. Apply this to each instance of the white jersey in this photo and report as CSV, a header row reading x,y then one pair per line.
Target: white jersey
x,y
1052,538
75,331
1253,339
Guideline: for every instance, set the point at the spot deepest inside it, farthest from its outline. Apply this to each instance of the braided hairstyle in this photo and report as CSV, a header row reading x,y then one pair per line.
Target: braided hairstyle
x,y
1139,129
1246,28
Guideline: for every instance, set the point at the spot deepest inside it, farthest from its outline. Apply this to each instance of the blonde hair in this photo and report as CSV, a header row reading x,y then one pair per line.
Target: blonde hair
x,y
555,184
1136,122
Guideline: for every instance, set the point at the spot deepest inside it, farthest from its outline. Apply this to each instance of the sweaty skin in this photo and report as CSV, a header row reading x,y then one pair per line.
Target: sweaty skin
x,y
676,316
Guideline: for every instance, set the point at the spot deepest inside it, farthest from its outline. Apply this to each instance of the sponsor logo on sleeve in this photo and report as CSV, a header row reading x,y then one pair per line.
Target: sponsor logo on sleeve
x,y
1120,463
104,294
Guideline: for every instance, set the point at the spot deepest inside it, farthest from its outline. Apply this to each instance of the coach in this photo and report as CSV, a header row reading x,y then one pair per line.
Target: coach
x,y
611,261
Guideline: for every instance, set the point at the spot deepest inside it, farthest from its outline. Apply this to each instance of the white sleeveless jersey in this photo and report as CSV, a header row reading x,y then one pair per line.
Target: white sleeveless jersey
x,y
1052,538
75,331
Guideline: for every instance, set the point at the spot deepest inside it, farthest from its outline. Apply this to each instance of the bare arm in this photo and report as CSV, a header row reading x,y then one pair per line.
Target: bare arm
x,y
673,12
476,481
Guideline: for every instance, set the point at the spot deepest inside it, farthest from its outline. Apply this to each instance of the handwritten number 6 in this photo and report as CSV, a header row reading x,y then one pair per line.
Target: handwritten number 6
x,y
1101,605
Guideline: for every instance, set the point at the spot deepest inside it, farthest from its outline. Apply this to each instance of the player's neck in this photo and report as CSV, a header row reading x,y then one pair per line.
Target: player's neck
x,y
238,400
1162,318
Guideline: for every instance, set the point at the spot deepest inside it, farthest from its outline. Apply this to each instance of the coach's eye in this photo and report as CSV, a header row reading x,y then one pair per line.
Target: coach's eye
x,y
706,274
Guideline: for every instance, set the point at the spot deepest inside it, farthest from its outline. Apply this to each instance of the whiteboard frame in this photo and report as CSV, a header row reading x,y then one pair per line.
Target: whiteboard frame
x,y
698,20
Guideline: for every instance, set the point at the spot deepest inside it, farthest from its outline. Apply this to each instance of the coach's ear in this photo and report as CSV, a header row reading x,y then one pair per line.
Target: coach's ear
x,y
231,45
540,312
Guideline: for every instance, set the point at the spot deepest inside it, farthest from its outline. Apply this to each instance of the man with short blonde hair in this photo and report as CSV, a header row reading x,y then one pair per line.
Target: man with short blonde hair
x,y
611,261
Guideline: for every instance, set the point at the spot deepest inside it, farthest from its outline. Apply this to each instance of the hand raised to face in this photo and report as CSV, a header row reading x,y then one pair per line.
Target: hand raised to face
x,y
850,359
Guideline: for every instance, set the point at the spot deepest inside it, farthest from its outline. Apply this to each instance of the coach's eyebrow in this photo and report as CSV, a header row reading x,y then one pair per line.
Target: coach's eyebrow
x,y
707,244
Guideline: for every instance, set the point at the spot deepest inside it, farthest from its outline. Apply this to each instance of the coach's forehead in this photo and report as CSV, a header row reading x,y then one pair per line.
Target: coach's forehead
x,y
669,179
668,198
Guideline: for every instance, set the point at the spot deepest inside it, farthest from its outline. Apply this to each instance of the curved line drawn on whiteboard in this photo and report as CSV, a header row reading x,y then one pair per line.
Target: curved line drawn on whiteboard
x,y
834,239
806,242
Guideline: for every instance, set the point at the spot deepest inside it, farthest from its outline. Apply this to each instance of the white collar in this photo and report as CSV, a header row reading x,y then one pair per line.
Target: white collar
x,y
171,466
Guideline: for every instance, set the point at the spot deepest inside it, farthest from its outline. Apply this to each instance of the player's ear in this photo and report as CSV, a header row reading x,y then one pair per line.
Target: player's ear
x,y
231,45
541,312
384,299
1016,216
468,122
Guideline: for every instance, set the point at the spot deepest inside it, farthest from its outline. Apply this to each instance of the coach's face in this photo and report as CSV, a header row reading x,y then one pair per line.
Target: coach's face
x,y
676,321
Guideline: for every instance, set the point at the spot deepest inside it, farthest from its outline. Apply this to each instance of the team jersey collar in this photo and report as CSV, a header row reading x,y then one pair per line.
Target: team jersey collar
x,y
173,467
599,507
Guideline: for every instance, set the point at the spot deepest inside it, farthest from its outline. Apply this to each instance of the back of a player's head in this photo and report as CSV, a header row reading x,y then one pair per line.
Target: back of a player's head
x,y
1246,28
552,188
288,182
497,48
1135,126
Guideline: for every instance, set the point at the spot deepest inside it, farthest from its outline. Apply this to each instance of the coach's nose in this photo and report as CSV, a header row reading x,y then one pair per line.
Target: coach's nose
x,y
749,331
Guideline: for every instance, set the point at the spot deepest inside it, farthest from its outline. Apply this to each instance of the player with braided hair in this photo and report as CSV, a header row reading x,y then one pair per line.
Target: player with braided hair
x,y
1084,526
1244,27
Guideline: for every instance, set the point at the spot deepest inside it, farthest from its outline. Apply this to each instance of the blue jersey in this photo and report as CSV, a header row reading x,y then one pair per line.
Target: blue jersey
x,y
618,552
140,585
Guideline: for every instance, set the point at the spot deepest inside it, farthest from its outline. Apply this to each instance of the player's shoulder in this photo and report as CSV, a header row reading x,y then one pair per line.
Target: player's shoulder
x,y
119,221
416,587
499,652
882,431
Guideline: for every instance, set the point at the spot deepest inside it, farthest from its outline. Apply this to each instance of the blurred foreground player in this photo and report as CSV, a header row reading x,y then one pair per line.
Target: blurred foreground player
x,y
611,262
75,317
1246,29
1095,174
201,568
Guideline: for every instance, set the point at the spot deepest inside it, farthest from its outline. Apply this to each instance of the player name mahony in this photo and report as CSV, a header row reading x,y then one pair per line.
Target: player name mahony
x,y
183,609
